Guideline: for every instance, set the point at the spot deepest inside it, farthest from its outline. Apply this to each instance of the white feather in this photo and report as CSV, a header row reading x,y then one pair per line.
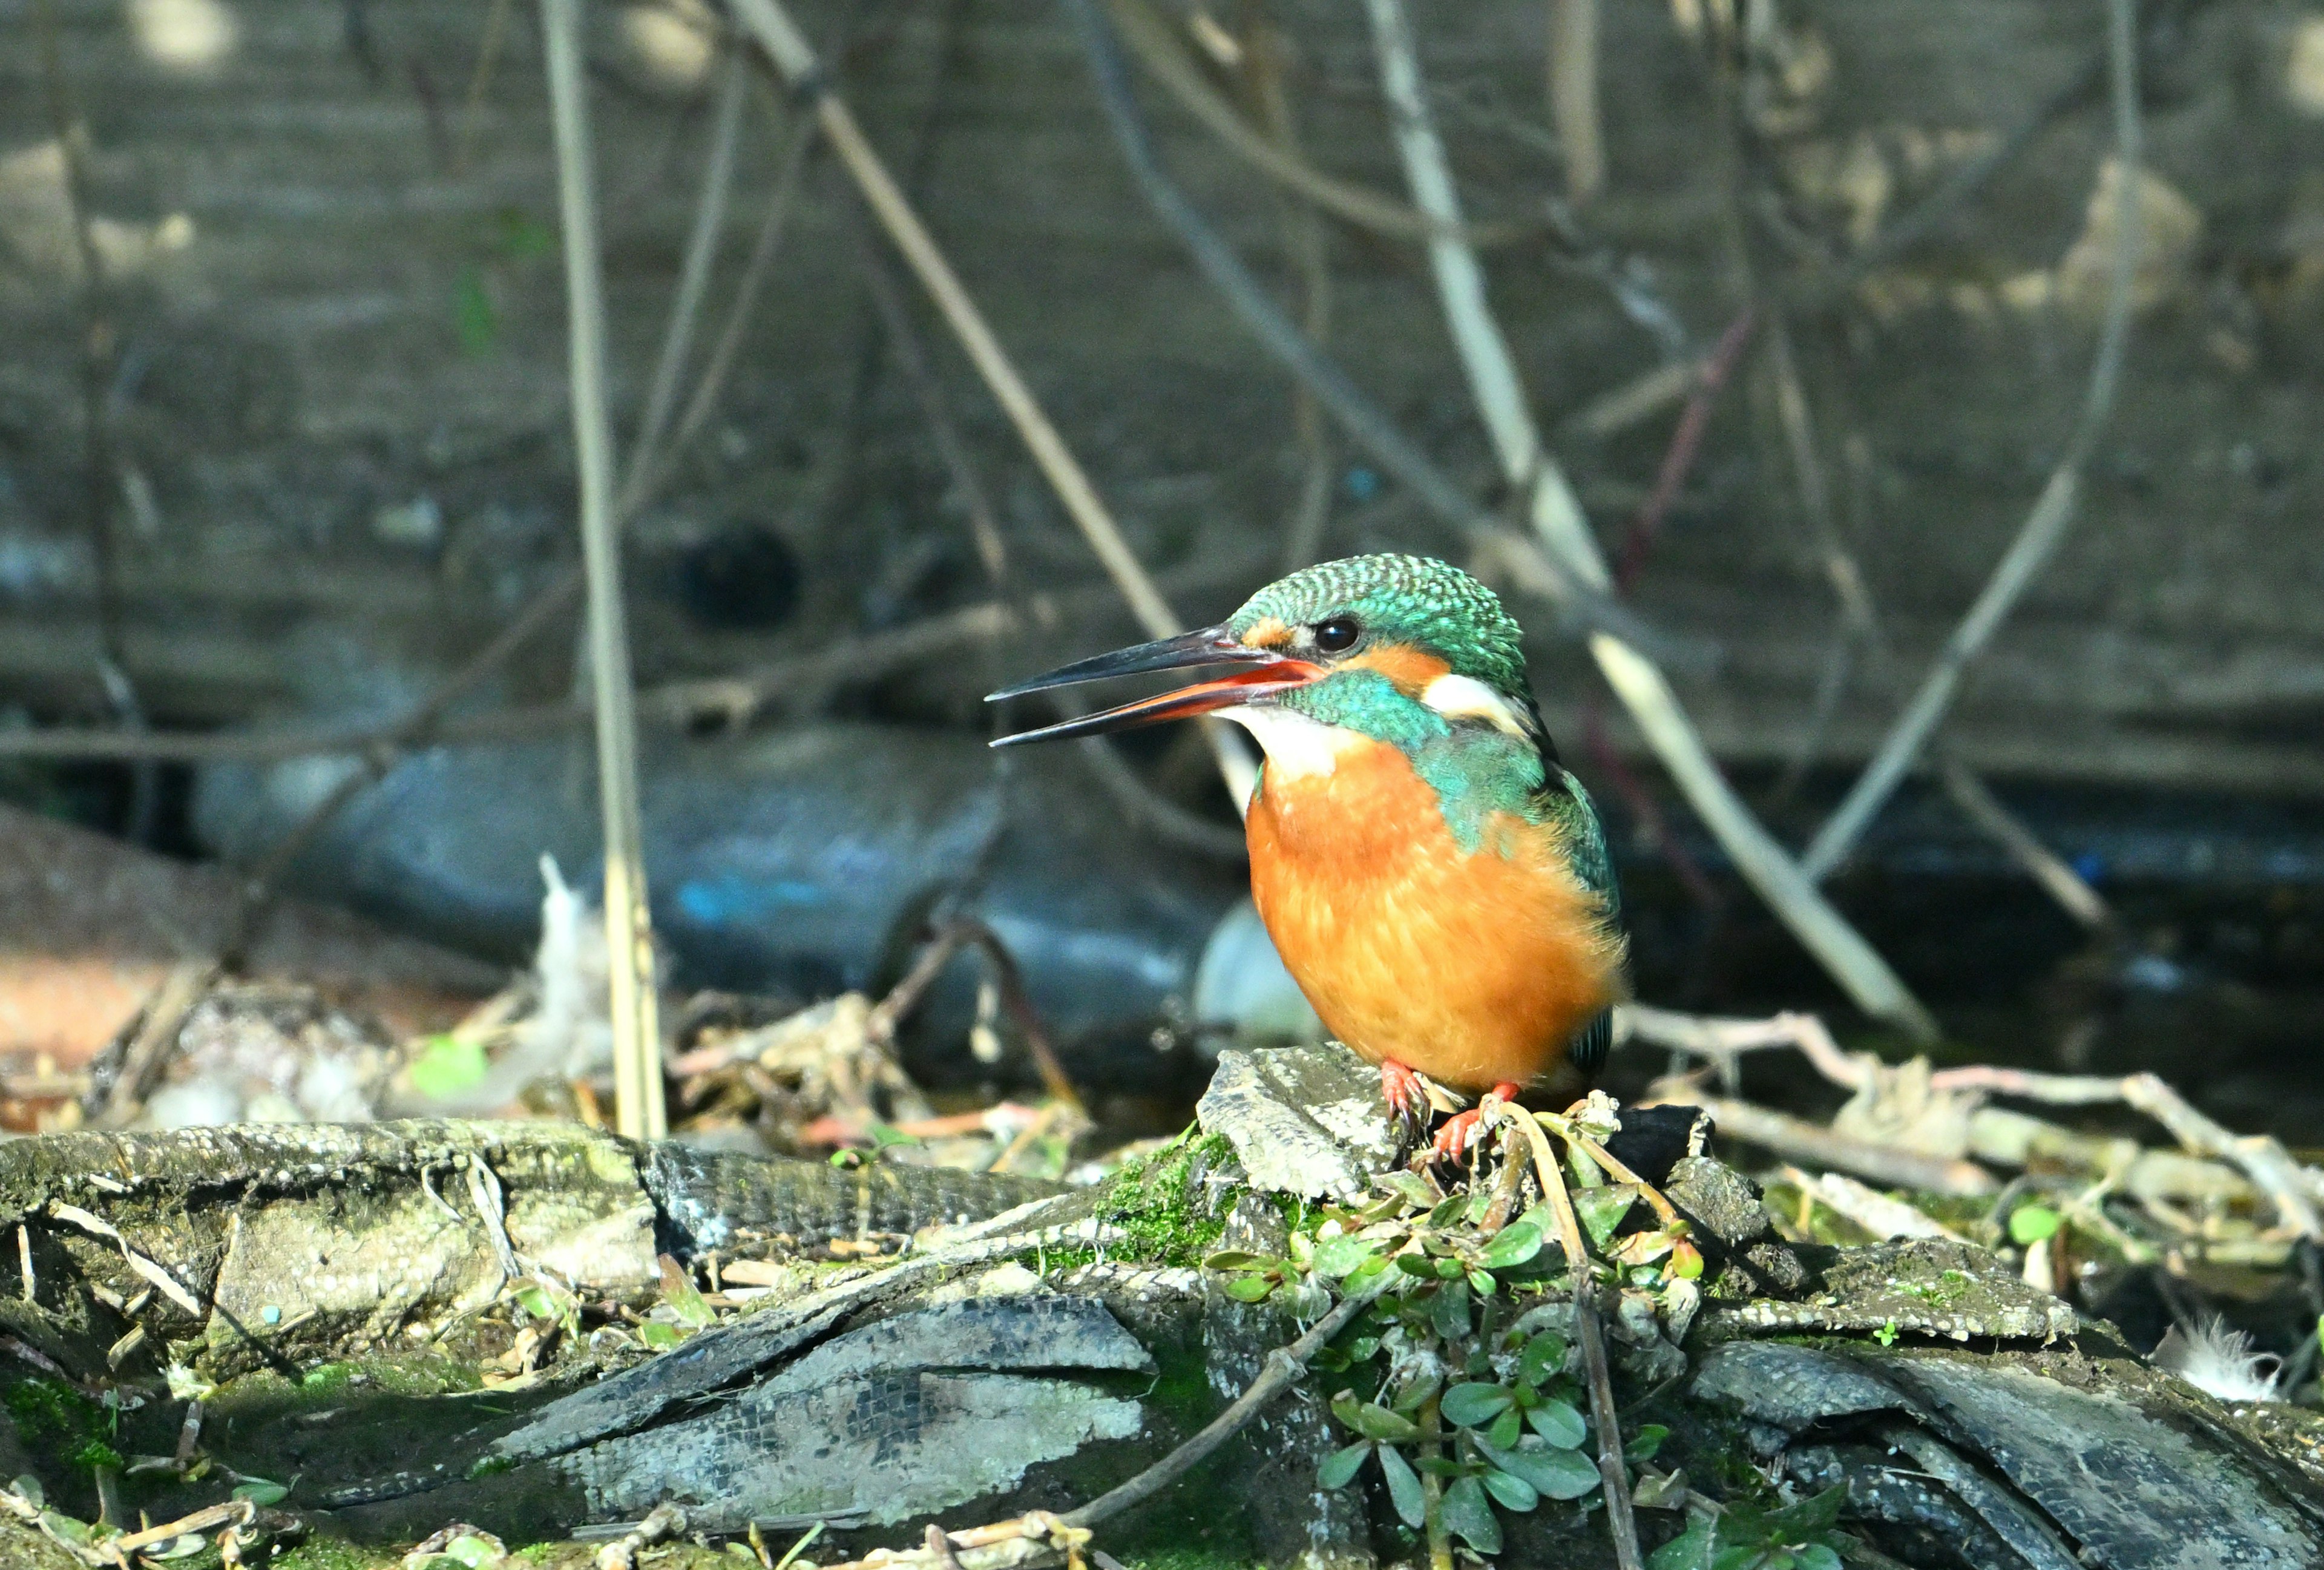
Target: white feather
x,y
2213,1357
1466,698
1294,744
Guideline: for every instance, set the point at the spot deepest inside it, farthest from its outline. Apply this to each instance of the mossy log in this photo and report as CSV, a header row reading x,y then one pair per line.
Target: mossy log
x,y
875,1382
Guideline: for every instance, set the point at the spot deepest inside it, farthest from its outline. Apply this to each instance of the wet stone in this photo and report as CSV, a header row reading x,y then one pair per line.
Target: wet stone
x,y
1303,1120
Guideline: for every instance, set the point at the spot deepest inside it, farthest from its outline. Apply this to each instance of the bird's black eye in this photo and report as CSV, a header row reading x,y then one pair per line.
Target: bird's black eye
x,y
1337,634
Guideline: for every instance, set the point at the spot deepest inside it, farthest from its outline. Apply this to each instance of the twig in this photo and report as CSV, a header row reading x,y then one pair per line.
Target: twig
x,y
2046,525
488,55
1158,50
157,1036
1573,71
2072,892
1763,863
763,245
692,281
637,1040
1685,443
1265,68
2293,1188
1284,1366
771,24
1558,519
1874,1211
1621,1522
1801,1141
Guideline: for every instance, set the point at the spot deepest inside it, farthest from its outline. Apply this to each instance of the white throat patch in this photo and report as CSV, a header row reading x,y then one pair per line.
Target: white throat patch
x,y
1294,744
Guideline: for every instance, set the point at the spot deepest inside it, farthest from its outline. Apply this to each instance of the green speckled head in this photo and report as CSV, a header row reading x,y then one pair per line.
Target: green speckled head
x,y
1414,600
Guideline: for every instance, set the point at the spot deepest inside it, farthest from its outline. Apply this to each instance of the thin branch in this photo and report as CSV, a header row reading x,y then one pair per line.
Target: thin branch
x,y
1284,1366
2068,887
637,1037
1573,71
693,279
1621,1523
1157,50
488,55
2046,525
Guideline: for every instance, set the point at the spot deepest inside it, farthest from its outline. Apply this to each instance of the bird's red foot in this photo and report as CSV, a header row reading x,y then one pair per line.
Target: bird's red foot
x,y
1460,1131
1407,1102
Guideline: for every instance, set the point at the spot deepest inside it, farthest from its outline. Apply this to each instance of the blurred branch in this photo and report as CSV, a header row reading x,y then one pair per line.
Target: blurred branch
x,y
488,55
1264,69
2046,525
1157,48
1573,96
1557,517
629,941
2072,892
647,477
693,279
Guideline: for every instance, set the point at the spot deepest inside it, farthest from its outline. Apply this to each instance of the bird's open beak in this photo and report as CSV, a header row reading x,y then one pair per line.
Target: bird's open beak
x,y
1263,673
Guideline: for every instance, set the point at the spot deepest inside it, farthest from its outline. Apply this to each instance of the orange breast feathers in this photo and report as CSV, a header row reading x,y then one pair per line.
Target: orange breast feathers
x,y
1474,967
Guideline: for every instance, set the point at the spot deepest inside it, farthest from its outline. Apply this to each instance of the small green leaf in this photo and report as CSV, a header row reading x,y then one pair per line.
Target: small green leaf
x,y
1815,1556
2030,1224
1403,1488
1507,1428
1451,1213
259,1490
1449,1315
1690,1550
28,1488
65,1527
475,321
1601,1210
1809,1518
1543,1356
657,1336
1373,1422
1560,1423
1481,1283
1510,1492
1409,1186
1472,1405
1553,1473
1514,1245
1237,1259
1416,1265
1341,1468
1250,1288
883,1135
1469,1516
1886,1335
448,1065
1646,1442
1341,1256
1748,1557
475,1549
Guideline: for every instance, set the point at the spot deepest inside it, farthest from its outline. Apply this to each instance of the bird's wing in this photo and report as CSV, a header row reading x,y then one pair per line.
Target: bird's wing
x,y
1565,802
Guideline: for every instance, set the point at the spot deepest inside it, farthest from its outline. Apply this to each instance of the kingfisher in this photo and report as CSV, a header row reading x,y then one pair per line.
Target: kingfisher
x,y
1437,882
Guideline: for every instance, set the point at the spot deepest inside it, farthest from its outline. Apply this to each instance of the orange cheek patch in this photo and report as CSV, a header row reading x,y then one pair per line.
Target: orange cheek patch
x,y
1408,669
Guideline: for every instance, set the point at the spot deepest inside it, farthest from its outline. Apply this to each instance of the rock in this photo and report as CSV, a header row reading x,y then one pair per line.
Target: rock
x,y
2108,1466
1917,1286
1303,1120
903,1418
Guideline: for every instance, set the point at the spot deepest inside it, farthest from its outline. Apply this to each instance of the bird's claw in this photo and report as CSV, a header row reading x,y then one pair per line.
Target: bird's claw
x,y
1407,1101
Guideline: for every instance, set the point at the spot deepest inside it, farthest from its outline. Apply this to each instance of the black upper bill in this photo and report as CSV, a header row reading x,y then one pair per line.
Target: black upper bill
x,y
1209,647
1203,646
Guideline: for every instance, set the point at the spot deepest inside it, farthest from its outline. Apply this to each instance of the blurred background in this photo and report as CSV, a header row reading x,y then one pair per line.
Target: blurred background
x,y
1808,300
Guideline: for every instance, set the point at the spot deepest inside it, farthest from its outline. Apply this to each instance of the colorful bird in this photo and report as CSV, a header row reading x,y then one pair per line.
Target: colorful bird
x,y
1436,883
